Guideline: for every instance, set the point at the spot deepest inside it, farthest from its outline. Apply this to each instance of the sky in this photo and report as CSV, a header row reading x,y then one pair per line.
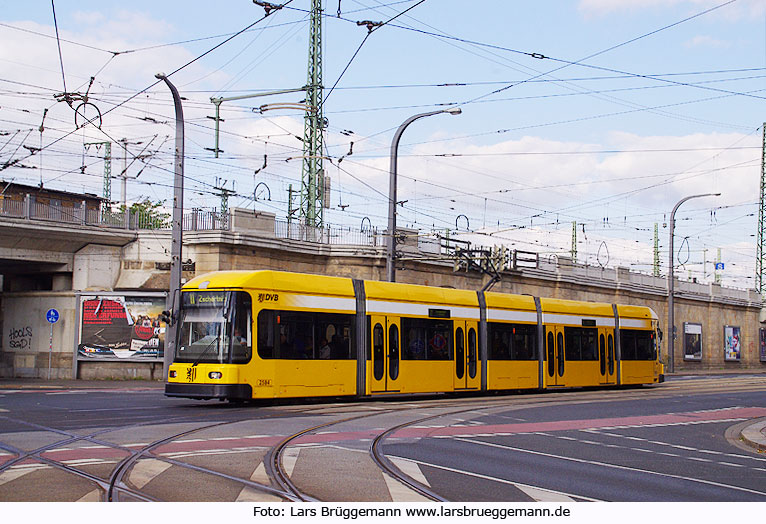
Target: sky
x,y
601,113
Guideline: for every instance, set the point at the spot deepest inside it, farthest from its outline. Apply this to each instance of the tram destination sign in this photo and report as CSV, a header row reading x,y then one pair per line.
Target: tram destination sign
x,y
204,298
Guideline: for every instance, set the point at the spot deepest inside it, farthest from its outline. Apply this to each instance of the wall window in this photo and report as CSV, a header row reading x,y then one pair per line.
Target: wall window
x,y
580,343
512,341
692,341
426,339
305,335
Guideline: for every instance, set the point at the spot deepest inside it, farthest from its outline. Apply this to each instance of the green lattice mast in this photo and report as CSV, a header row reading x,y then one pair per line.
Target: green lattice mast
x,y
760,247
573,250
656,269
312,179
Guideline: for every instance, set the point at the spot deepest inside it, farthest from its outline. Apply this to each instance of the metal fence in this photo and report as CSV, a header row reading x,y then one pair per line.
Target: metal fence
x,y
79,213
202,220
332,235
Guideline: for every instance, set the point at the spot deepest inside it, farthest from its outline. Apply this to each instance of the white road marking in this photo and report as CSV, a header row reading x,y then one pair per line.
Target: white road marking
x,y
249,494
544,495
677,446
401,493
613,466
289,458
68,393
93,496
222,451
260,476
502,481
146,470
411,469
12,474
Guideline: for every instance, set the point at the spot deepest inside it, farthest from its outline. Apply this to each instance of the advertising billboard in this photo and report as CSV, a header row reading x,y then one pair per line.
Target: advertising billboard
x,y
692,341
731,343
121,326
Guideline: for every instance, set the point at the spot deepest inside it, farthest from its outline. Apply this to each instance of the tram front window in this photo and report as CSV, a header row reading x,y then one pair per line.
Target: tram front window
x,y
209,319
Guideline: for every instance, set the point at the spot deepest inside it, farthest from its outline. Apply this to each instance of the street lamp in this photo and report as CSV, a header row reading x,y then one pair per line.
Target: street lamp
x,y
173,302
671,312
391,245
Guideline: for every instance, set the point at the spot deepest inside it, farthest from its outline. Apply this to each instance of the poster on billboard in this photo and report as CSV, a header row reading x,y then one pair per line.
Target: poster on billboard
x,y
692,341
121,326
731,343
762,339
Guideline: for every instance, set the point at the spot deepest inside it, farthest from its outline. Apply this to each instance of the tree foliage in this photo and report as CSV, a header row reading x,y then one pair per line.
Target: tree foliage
x,y
149,215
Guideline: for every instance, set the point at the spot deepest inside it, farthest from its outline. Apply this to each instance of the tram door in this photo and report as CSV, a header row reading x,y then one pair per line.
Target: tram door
x,y
606,363
554,355
385,353
467,373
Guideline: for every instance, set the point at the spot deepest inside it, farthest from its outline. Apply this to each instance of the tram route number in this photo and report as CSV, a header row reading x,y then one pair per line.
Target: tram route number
x,y
263,383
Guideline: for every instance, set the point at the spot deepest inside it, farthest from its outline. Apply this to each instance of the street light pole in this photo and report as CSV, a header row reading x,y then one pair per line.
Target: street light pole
x,y
173,303
671,313
391,236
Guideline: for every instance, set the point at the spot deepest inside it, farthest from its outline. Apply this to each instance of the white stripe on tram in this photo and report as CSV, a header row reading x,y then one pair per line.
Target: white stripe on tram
x,y
420,310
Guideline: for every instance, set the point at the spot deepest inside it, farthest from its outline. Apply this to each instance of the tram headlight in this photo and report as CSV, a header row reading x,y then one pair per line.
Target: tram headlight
x,y
215,375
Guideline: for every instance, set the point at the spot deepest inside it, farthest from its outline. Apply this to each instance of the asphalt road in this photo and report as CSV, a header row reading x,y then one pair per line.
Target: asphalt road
x,y
670,442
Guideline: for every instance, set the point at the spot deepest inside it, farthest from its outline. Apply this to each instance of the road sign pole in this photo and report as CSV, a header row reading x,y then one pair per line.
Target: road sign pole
x,y
52,316
50,352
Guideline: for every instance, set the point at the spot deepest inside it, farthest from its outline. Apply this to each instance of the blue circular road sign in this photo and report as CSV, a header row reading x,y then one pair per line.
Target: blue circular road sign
x,y
52,316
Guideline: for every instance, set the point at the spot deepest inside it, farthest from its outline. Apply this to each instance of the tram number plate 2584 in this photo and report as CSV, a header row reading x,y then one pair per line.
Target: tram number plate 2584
x,y
263,383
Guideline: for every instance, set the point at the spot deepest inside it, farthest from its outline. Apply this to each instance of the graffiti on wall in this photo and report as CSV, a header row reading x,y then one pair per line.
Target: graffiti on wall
x,y
20,338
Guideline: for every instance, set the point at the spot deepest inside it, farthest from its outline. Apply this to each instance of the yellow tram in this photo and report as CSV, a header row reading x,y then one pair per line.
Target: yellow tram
x,y
271,334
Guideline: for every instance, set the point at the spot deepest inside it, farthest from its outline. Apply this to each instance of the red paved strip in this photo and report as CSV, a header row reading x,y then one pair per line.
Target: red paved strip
x,y
6,458
568,425
62,455
204,445
193,446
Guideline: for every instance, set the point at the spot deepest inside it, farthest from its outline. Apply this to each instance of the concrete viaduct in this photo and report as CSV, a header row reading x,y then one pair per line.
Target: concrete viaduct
x,y
52,264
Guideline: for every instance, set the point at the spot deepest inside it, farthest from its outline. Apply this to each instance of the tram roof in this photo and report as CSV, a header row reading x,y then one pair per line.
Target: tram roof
x,y
394,291
269,280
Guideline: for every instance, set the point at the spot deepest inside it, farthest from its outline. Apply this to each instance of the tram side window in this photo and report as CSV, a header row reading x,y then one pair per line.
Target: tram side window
x,y
512,341
637,345
581,343
242,336
304,335
426,339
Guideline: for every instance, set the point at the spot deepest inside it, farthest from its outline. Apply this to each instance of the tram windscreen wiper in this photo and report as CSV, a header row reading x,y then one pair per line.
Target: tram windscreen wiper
x,y
204,351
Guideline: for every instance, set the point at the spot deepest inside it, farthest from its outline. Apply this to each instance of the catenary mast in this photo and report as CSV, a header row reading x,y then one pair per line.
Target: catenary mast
x,y
760,247
312,178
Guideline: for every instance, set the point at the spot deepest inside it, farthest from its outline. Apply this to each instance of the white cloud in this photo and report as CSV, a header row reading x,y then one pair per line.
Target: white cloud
x,y
740,9
707,41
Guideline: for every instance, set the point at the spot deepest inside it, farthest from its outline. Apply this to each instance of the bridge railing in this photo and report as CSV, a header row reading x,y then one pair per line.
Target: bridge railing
x,y
333,235
81,214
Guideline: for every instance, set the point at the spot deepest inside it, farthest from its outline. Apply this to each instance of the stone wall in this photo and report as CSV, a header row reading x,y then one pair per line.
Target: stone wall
x,y
26,335
251,244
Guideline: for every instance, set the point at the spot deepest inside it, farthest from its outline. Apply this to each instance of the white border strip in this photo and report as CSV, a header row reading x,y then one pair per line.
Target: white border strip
x,y
576,320
420,310
511,316
635,323
315,302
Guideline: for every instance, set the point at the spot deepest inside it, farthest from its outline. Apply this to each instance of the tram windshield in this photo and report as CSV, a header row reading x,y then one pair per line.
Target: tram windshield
x,y
216,327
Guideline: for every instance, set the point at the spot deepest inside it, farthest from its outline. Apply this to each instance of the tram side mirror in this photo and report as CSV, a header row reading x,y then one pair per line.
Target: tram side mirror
x,y
659,334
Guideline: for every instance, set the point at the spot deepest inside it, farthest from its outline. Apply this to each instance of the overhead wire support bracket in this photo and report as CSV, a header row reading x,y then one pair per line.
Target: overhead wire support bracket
x,y
268,7
370,25
468,256
217,101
